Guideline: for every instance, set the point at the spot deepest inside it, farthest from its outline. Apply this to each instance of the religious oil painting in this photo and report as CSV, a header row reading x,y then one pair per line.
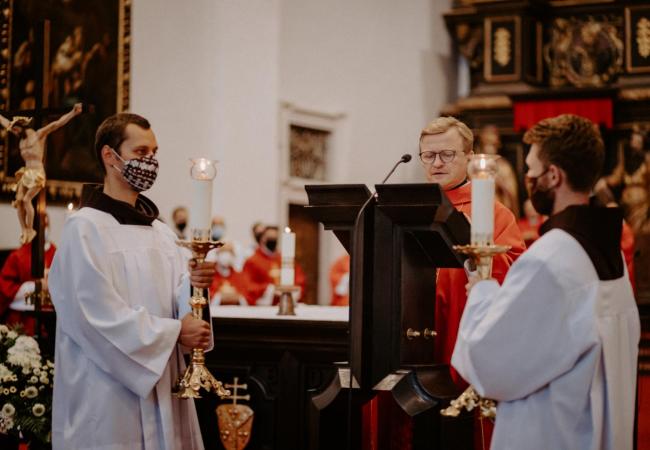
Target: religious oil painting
x,y
308,152
59,53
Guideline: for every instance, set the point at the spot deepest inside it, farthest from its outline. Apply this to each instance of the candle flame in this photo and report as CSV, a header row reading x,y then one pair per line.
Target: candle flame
x,y
70,206
287,230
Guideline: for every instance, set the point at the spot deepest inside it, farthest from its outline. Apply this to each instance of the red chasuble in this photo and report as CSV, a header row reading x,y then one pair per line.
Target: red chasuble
x,y
235,282
17,270
261,270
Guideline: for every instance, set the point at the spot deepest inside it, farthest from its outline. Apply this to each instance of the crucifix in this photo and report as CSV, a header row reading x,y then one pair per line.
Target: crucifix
x,y
30,179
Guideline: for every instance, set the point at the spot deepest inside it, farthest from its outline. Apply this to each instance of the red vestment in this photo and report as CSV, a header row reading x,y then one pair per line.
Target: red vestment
x,y
262,269
627,247
16,271
530,232
339,269
236,280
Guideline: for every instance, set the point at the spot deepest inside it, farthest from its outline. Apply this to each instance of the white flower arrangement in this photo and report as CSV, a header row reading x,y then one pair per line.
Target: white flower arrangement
x,y
25,387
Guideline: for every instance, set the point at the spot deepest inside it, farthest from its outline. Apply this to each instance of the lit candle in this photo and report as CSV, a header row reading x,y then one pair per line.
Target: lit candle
x,y
483,171
203,172
288,251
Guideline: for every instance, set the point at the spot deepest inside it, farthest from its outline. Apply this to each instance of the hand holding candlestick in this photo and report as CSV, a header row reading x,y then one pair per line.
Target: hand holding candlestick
x,y
482,171
197,376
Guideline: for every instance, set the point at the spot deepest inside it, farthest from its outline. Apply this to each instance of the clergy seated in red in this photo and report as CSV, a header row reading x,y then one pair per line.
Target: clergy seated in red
x,y
229,287
262,270
340,281
15,281
530,223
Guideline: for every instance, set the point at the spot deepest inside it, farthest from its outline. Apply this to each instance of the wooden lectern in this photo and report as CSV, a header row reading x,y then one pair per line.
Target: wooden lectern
x,y
396,243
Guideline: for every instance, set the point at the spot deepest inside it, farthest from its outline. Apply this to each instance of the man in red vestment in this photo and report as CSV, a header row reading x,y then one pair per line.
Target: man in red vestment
x,y
16,280
340,281
229,287
445,150
262,270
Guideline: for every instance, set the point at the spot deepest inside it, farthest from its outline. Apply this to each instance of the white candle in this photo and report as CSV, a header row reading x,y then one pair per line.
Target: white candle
x,y
482,211
288,251
201,206
288,244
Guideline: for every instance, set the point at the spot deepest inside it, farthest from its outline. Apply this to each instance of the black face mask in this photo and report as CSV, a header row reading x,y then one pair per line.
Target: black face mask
x,y
181,226
271,245
542,199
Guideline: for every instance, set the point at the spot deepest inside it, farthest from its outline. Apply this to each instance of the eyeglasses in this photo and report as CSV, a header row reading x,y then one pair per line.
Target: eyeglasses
x,y
446,156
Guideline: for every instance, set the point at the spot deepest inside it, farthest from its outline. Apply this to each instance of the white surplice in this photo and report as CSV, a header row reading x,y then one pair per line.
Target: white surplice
x,y
119,291
557,347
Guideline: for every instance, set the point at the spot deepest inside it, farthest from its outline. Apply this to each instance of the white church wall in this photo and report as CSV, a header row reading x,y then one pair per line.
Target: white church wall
x,y
382,64
206,76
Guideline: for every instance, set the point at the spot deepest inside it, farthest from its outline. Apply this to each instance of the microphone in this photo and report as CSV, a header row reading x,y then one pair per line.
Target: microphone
x,y
406,157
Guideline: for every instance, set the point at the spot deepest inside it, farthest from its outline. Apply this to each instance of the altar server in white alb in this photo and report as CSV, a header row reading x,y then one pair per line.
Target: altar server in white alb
x,y
556,345
120,289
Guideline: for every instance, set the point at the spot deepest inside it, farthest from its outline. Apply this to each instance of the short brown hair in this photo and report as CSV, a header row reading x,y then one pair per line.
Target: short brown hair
x,y
111,132
442,124
573,144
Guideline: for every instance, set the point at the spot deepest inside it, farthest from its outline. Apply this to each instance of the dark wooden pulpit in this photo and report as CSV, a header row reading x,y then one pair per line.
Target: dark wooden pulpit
x,y
397,240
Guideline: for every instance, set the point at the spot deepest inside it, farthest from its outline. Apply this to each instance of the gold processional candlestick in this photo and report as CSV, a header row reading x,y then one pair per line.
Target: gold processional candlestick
x,y
482,171
196,375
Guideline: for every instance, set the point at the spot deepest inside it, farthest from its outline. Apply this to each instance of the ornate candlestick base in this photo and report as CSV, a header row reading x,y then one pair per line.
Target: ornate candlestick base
x,y
481,256
469,400
39,298
196,375
286,303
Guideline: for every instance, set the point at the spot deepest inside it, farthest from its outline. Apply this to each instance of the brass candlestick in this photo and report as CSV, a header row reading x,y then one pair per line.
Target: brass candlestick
x,y
286,305
196,375
481,256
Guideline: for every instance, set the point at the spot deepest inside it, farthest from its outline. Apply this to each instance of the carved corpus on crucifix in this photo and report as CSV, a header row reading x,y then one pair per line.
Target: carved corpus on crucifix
x,y
30,179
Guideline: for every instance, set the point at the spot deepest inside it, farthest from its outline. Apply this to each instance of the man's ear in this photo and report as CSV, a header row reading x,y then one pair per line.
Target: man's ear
x,y
556,175
108,157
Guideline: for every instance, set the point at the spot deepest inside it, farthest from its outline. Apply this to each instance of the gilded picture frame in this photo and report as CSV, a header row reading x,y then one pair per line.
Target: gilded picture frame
x,y
79,52
502,49
637,39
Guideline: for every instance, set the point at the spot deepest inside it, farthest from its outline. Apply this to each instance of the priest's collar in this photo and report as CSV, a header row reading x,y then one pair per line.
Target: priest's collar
x,y
598,230
461,193
143,213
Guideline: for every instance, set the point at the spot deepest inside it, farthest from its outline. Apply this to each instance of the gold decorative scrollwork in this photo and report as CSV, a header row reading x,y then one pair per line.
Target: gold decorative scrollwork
x,y
643,37
584,52
502,44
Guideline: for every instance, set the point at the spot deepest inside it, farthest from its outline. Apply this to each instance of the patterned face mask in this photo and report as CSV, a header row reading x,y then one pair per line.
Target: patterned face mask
x,y
140,173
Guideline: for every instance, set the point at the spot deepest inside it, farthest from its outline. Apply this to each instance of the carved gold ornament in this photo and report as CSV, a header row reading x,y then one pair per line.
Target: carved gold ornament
x,y
501,46
584,52
643,37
